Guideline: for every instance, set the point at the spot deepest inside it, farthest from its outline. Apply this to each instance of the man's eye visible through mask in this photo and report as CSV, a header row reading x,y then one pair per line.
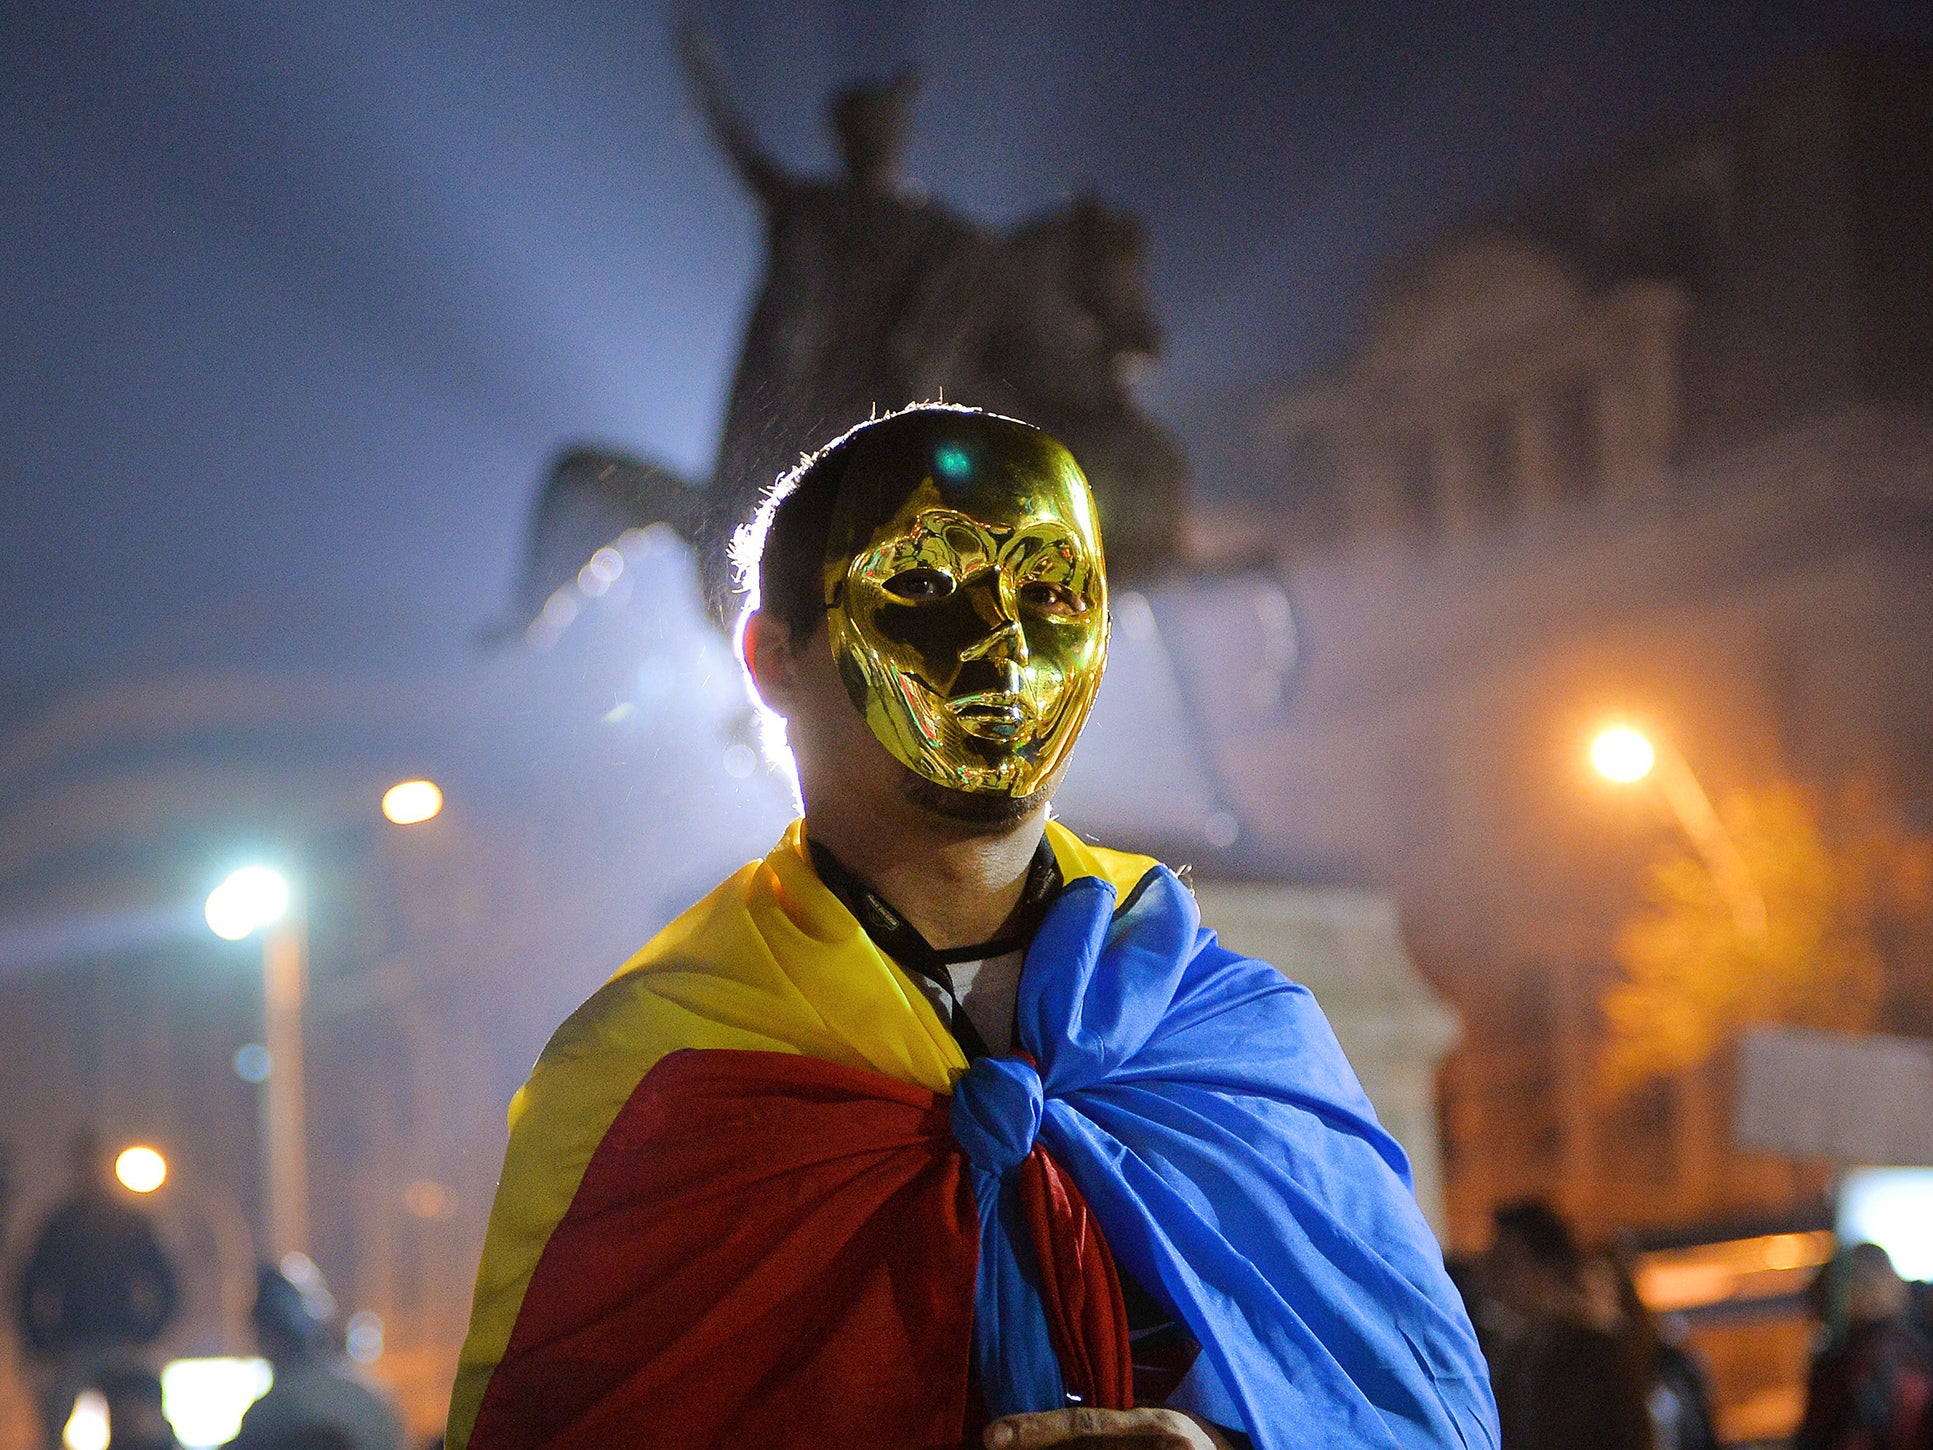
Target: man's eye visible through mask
x,y
1055,599
919,585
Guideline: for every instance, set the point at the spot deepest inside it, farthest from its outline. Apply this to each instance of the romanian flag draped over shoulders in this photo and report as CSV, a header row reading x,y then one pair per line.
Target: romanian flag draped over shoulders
x,y
755,1194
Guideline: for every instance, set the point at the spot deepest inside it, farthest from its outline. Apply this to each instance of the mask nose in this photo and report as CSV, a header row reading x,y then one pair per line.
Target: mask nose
x,y
1005,642
1006,645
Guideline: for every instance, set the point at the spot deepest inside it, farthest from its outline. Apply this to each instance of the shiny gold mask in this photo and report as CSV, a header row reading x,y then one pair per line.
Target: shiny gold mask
x,y
967,597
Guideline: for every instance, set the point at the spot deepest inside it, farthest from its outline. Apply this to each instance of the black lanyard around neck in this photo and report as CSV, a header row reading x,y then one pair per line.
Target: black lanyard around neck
x,y
899,939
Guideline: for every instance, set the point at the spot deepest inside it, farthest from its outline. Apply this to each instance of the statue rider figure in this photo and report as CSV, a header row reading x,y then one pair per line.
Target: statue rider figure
x,y
873,295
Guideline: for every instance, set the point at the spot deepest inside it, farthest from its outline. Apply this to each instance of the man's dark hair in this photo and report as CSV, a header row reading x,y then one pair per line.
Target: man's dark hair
x,y
783,545
783,548
1542,1232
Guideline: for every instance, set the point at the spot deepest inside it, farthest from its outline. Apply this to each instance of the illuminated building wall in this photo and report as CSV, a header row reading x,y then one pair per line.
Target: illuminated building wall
x,y
1656,440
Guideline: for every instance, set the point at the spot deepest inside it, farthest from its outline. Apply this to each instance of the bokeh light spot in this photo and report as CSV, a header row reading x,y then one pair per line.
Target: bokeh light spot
x,y
363,1337
86,1427
205,1399
251,897
141,1169
426,1198
950,461
1623,755
252,1062
600,572
411,802
1891,1207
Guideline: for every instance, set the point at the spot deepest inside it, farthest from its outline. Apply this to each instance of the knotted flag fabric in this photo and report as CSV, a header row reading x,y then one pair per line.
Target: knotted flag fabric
x,y
754,1194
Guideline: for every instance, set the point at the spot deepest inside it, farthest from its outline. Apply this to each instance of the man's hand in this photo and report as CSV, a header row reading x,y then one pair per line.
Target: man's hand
x,y
1085,1429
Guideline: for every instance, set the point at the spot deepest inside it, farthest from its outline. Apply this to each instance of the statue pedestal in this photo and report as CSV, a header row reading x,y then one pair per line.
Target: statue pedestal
x,y
1346,948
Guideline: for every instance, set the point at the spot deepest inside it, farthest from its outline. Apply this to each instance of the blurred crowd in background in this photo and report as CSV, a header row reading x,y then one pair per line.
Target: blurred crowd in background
x,y
94,1292
1577,1361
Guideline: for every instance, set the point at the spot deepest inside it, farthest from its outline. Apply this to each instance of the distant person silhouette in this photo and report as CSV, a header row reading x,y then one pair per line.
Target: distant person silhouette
x,y
1559,1381
1676,1388
135,1417
1871,1386
97,1285
318,1401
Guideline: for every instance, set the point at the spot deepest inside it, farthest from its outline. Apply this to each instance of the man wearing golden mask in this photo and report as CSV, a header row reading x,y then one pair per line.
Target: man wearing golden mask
x,y
939,1126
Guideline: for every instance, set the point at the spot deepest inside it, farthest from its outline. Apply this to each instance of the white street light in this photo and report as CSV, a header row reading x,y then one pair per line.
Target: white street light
x,y
251,898
248,901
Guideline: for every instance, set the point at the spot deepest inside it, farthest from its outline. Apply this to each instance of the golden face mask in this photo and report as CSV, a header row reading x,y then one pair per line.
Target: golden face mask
x,y
967,597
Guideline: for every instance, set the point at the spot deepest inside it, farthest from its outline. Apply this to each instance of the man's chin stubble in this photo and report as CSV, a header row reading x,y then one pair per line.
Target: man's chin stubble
x,y
996,812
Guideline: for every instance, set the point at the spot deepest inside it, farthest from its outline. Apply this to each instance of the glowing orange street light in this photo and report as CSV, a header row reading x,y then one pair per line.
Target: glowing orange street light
x,y
141,1169
411,802
1627,756
1623,755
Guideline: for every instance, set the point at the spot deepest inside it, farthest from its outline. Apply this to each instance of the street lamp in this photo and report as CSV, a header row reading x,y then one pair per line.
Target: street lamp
x,y
411,802
141,1169
1626,756
1623,755
257,899
250,898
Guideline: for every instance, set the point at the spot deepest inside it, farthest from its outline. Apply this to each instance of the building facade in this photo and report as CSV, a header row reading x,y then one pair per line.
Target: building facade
x,y
1654,443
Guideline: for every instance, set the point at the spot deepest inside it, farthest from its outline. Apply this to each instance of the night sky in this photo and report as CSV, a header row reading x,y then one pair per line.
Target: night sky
x,y
299,299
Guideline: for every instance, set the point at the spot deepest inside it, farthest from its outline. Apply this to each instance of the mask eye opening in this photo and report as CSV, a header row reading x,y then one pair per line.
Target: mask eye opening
x,y
1051,598
920,585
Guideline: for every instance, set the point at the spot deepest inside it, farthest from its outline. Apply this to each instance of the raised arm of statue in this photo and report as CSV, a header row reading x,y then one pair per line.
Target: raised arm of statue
x,y
763,175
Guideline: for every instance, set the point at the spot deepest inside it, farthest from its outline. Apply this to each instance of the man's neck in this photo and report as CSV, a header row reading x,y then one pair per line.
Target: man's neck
x,y
959,885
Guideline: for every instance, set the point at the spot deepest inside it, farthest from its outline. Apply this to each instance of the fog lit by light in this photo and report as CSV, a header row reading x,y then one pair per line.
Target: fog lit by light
x,y
250,898
141,1169
1623,755
411,802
